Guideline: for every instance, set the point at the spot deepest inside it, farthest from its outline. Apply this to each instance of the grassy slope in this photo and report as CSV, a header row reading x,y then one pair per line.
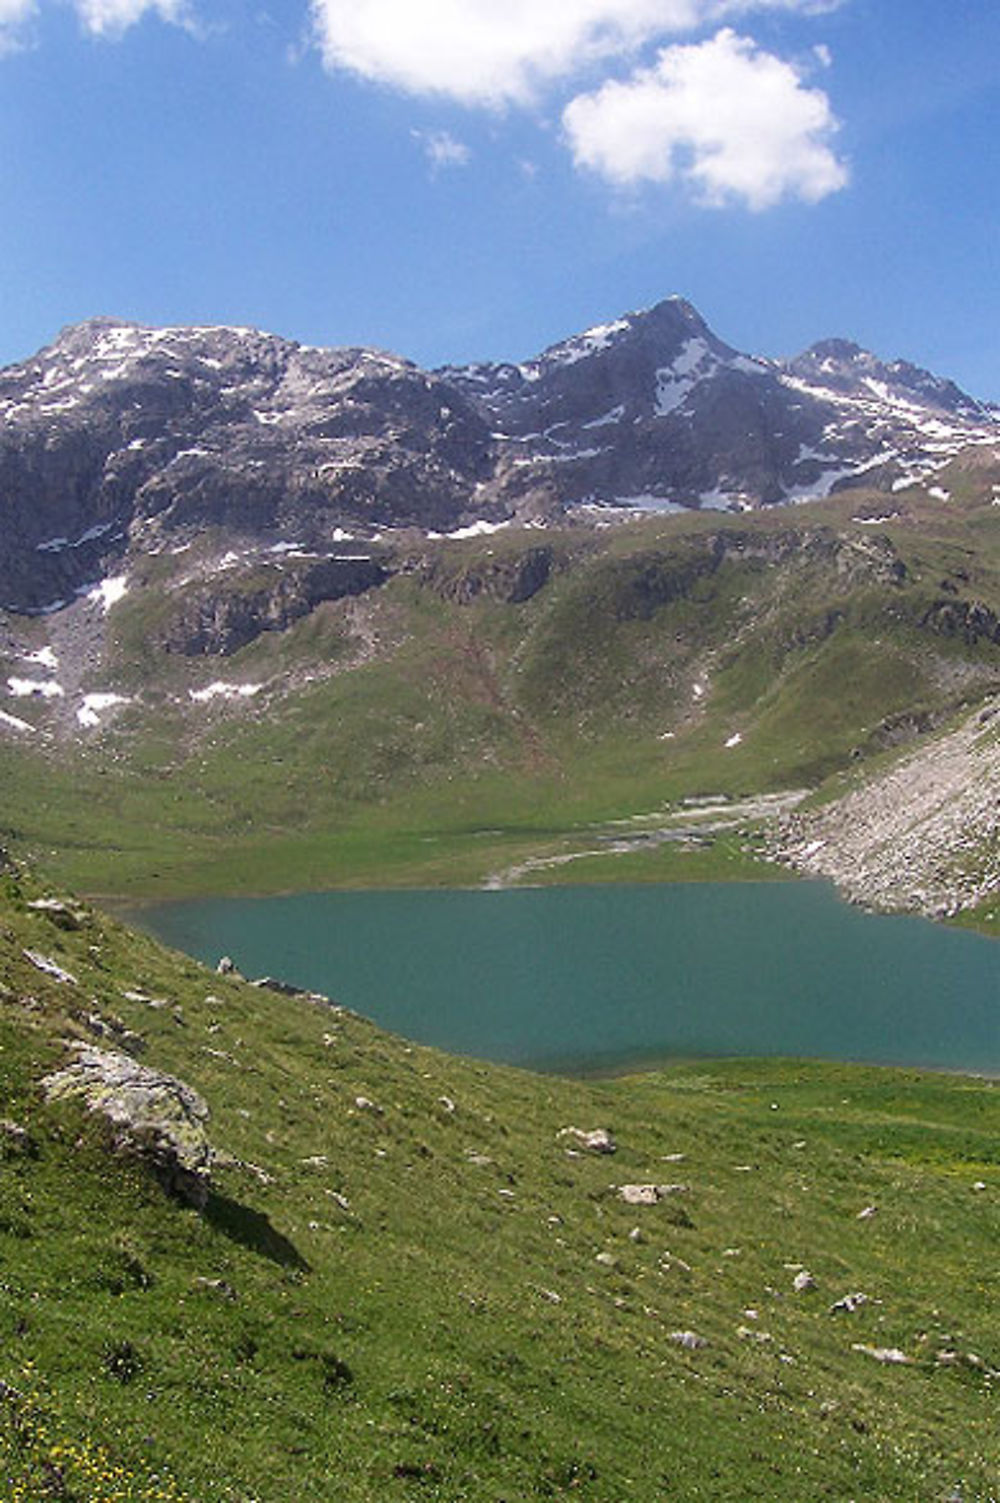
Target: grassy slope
x,y
410,738
445,1330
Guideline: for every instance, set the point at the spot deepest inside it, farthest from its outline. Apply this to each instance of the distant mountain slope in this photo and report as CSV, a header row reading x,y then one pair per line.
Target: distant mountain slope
x,y
120,439
230,714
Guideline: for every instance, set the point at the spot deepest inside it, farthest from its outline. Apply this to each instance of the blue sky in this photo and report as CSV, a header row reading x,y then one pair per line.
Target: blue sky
x,y
460,179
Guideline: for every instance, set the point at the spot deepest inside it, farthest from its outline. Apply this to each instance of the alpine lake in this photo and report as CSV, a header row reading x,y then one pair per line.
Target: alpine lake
x,y
600,979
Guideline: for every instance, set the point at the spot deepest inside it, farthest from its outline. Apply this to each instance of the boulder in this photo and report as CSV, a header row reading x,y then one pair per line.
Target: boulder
x,y
849,1303
598,1140
890,1355
274,984
50,967
110,1027
153,1115
638,1195
60,913
648,1195
365,1104
690,1340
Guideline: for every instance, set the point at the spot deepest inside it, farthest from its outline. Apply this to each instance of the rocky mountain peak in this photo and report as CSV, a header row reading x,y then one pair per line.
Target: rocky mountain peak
x,y
662,328
840,366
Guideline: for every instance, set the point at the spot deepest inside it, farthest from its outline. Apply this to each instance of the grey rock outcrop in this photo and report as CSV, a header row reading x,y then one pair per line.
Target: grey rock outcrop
x,y
595,1140
970,620
63,915
511,580
890,1355
118,436
152,1115
648,1195
217,618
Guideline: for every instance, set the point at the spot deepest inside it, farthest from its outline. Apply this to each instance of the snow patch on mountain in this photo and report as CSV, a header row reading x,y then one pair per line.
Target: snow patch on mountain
x,y
94,705
648,502
607,418
60,544
34,688
109,591
675,382
220,690
15,723
44,657
580,347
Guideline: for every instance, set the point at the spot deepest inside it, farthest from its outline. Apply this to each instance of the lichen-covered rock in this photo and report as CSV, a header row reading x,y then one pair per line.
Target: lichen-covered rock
x,y
63,915
50,967
648,1195
153,1115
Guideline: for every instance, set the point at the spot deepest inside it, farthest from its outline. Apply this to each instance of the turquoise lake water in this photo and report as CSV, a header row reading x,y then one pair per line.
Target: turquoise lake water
x,y
596,977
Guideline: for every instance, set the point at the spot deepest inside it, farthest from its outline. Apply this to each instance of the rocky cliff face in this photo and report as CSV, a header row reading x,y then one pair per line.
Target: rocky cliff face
x,y
216,617
117,436
118,441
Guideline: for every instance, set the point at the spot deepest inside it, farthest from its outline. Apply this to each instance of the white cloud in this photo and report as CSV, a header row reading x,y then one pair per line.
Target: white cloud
x,y
13,15
442,149
112,17
732,121
495,52
107,18
12,12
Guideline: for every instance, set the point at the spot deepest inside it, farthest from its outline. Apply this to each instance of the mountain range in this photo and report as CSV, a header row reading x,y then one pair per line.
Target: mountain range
x,y
119,438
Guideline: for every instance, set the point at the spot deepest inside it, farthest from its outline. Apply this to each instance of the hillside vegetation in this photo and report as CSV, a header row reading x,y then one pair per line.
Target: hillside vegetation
x,y
408,1281
506,700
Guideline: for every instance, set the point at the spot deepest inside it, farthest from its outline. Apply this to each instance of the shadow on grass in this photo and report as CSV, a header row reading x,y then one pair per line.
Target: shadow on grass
x,y
253,1230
